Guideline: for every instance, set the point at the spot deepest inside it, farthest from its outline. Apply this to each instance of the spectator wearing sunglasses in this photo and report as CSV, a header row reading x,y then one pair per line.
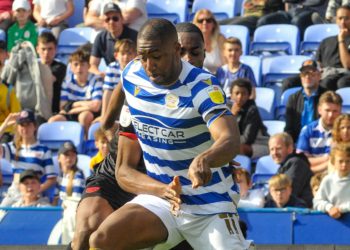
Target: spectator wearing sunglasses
x,y
213,40
103,47
133,11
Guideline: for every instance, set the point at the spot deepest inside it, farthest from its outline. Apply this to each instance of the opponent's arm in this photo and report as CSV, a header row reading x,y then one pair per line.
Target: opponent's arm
x,y
133,181
224,130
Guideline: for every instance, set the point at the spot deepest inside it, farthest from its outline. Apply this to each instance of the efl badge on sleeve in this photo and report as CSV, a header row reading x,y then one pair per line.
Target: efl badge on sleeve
x,y
216,95
125,117
171,101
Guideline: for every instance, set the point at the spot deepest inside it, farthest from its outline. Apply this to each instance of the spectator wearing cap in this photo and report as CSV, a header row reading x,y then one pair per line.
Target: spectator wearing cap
x,y
53,14
70,187
8,100
103,47
29,187
134,13
25,152
302,106
23,29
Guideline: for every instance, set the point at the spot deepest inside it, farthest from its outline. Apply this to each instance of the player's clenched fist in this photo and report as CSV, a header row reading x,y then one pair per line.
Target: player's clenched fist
x,y
199,172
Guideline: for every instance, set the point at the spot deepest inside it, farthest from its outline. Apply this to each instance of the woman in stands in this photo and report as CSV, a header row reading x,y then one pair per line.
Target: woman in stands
x,y
213,40
24,152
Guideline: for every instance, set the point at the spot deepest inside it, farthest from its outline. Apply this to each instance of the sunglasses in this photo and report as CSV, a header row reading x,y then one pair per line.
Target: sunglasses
x,y
308,73
113,18
208,20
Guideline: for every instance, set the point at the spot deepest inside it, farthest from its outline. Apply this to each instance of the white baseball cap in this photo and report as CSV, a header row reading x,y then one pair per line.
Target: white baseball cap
x,y
21,4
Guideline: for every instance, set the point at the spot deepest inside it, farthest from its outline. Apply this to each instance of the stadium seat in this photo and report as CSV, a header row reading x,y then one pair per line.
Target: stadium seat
x,y
260,181
345,95
274,126
275,39
70,39
313,36
84,164
90,148
239,31
55,133
245,162
174,11
77,16
255,63
265,101
221,9
281,108
2,35
265,165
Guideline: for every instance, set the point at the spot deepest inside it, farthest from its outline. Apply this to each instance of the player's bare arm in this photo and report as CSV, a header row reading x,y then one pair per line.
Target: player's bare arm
x,y
133,181
225,133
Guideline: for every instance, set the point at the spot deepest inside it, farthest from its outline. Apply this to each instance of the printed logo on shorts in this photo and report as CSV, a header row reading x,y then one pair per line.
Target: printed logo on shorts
x,y
216,95
171,101
90,190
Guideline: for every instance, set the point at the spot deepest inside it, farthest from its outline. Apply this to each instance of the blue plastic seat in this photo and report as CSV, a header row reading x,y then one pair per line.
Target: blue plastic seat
x,y
90,148
274,126
265,101
71,39
221,9
265,165
260,181
313,36
54,134
245,162
2,35
77,16
345,95
281,108
255,63
275,39
174,11
239,31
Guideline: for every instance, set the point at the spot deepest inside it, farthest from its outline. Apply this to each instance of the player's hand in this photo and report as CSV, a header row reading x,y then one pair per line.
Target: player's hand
x,y
199,172
172,194
334,212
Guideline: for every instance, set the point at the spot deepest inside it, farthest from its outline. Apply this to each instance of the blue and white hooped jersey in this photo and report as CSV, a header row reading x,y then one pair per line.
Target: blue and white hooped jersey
x,y
172,127
112,76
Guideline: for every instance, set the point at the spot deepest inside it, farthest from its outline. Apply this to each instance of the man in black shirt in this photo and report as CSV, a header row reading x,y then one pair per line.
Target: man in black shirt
x,y
46,50
103,47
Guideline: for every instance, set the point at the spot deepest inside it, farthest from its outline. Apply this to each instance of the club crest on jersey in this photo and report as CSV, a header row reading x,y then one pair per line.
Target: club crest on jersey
x,y
171,101
136,90
125,117
216,95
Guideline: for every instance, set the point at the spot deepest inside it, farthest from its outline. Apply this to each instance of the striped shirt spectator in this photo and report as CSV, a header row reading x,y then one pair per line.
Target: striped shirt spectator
x,y
112,76
77,188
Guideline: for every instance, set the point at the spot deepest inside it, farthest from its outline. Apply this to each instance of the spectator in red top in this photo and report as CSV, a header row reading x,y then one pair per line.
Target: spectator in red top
x,y
5,14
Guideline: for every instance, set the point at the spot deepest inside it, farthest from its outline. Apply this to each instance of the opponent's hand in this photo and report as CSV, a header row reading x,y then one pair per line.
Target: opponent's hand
x,y
172,194
199,172
334,212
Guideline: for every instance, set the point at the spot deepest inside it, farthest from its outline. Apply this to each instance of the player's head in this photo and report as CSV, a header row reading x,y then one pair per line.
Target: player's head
x,y
340,158
124,51
192,43
280,187
280,146
159,51
329,108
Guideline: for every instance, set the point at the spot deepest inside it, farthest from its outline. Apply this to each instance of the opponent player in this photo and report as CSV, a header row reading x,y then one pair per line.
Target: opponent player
x,y
176,109
103,195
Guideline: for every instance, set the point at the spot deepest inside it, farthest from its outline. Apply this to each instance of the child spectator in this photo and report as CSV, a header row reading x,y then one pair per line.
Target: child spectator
x,y
254,136
280,193
24,152
29,187
234,69
341,129
249,197
333,195
23,29
8,100
53,14
101,143
46,49
124,52
71,184
81,93
315,182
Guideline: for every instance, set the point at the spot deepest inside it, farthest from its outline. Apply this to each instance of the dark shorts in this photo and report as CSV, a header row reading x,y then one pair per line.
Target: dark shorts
x,y
74,117
107,188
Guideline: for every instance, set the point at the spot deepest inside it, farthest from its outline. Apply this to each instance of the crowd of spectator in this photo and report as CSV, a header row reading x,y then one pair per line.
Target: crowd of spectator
x,y
313,154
